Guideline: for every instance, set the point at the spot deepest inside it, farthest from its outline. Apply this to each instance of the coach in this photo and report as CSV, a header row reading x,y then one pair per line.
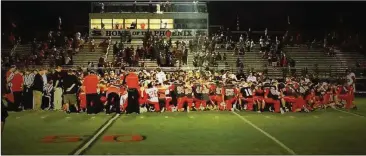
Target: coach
x,y
91,84
132,82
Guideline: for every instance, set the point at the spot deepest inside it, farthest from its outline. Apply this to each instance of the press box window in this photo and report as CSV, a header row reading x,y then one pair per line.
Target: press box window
x,y
142,23
107,23
118,23
96,23
129,23
154,23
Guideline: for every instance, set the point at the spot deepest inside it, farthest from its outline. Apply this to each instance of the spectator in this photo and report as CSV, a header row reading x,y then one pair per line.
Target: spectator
x,y
57,96
71,85
37,90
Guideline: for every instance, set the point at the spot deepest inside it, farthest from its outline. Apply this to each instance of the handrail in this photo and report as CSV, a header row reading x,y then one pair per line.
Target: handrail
x,y
138,3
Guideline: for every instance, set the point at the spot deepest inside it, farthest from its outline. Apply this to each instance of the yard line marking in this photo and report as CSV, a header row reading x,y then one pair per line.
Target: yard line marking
x,y
166,117
93,139
17,117
141,117
348,112
44,117
266,134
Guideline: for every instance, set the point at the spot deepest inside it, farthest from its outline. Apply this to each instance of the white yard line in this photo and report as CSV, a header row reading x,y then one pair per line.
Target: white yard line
x,y
348,112
79,151
266,134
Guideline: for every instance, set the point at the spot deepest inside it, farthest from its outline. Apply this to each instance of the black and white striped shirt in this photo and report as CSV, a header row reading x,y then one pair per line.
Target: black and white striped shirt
x,y
48,89
29,79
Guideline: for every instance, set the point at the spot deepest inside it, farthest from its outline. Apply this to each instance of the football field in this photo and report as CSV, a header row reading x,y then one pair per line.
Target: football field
x,y
330,131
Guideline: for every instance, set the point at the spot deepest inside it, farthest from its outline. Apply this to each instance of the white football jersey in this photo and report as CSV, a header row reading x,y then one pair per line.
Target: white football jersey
x,y
153,94
350,79
161,77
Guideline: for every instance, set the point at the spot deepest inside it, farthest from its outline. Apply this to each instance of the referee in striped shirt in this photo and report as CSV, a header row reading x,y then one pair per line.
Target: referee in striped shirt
x,y
28,91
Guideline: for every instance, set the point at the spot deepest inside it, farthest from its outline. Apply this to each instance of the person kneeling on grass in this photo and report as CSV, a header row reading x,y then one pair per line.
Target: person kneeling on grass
x,y
113,99
71,85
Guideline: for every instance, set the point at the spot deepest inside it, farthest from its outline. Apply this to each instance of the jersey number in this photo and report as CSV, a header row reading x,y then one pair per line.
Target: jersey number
x,y
180,90
218,91
229,92
248,92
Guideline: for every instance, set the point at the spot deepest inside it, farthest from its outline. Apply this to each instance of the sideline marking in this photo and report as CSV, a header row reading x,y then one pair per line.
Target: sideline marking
x,y
85,146
349,112
266,134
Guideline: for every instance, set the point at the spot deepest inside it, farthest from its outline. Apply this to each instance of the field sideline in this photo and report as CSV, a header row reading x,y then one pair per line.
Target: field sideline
x,y
329,131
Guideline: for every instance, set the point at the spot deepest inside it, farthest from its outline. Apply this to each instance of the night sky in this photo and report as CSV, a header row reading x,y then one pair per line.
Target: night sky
x,y
33,17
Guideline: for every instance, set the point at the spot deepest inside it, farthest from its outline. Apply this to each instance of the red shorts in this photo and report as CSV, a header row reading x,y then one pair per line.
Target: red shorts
x,y
259,98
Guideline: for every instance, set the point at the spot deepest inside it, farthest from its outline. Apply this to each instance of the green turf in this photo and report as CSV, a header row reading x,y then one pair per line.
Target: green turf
x,y
321,132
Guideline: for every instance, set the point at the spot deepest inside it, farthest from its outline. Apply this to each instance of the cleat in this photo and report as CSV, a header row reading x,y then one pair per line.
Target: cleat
x,y
259,112
202,108
282,111
354,108
287,110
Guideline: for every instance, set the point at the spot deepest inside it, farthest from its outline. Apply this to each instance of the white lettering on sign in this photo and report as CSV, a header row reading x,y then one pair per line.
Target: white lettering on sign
x,y
141,33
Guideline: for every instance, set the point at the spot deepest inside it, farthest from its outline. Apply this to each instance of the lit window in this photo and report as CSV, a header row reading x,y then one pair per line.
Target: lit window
x,y
166,24
107,23
128,22
142,23
95,23
117,23
154,24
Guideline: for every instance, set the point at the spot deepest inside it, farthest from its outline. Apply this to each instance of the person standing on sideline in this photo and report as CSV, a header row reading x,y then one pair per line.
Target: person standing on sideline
x,y
17,88
27,89
57,87
91,84
9,77
71,85
4,115
37,90
132,82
